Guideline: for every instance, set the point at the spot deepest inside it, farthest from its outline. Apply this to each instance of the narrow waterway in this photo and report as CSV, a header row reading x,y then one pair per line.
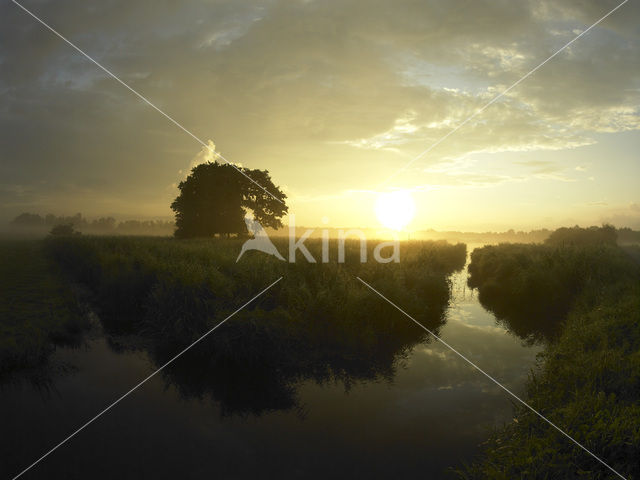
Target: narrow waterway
x,y
432,414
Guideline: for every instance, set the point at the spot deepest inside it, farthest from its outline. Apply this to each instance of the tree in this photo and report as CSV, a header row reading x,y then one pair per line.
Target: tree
x,y
583,236
64,230
215,198
103,224
28,220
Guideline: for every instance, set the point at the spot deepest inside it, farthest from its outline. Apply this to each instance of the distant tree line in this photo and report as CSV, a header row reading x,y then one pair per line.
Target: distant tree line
x,y
509,236
626,236
576,235
568,235
606,234
103,225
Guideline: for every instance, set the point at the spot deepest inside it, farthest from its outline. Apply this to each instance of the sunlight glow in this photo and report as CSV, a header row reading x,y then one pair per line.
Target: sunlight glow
x,y
395,210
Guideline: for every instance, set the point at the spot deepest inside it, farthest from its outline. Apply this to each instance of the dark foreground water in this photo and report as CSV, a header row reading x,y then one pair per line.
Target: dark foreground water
x,y
430,416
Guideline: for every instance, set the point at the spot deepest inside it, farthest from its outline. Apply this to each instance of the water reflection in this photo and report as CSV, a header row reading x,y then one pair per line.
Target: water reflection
x,y
383,402
257,369
41,378
529,310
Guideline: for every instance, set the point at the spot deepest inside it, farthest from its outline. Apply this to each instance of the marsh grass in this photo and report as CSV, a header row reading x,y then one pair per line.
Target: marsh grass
x,y
163,286
37,310
589,377
319,322
532,288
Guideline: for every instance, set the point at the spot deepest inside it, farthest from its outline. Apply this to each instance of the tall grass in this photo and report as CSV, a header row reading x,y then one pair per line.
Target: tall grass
x,y
319,322
532,288
37,311
589,379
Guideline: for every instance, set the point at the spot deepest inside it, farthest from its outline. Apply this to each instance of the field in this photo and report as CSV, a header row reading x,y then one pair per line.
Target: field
x,y
581,302
319,322
37,311
587,301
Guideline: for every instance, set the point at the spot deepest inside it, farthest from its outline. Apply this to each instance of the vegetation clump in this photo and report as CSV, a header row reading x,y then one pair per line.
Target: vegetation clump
x,y
605,235
319,322
37,311
588,380
63,230
215,198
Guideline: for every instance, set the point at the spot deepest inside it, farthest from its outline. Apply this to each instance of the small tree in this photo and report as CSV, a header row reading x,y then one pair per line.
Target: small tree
x,y
63,230
215,198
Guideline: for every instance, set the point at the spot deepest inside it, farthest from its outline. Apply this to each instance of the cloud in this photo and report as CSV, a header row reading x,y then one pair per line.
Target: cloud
x,y
540,166
620,215
205,155
317,92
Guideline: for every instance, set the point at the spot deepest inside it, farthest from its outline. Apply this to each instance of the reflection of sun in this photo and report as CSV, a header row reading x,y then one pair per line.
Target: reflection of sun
x,y
395,209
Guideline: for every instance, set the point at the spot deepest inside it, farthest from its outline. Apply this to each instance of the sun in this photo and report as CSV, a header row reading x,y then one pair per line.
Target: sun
x,y
395,209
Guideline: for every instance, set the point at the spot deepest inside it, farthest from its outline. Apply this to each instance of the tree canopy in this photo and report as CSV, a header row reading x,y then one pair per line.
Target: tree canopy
x,y
583,236
215,198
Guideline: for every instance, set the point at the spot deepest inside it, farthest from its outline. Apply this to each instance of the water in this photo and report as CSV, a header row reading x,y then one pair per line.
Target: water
x,y
432,414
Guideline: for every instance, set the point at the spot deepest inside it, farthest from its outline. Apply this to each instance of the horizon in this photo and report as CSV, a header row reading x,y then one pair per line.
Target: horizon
x,y
286,226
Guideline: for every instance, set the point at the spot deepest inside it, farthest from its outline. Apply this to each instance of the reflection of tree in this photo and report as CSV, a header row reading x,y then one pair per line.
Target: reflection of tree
x,y
513,283
256,361
239,389
42,378
268,380
42,374
526,320
319,323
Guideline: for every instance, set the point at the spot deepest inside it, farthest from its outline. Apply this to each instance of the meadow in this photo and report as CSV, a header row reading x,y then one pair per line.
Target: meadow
x,y
319,322
37,310
579,299
586,300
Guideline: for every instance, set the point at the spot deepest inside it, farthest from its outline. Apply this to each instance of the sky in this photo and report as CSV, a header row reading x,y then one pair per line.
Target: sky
x,y
332,97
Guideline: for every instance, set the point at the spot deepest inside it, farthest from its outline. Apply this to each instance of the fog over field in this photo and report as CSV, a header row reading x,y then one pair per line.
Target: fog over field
x,y
317,239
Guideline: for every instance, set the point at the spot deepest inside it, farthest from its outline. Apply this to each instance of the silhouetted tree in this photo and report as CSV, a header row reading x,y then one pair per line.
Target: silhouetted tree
x,y
104,224
214,199
63,230
28,220
583,236
626,235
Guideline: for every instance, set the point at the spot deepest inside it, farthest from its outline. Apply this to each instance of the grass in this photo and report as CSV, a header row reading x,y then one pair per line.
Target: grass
x,y
588,382
532,288
37,311
319,322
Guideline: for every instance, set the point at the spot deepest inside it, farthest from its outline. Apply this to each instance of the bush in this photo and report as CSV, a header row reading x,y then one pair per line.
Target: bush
x,y
63,230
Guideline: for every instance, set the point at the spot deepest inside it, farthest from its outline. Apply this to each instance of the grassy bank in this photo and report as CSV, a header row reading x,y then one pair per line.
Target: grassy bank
x,y
319,322
163,286
37,310
532,288
588,382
